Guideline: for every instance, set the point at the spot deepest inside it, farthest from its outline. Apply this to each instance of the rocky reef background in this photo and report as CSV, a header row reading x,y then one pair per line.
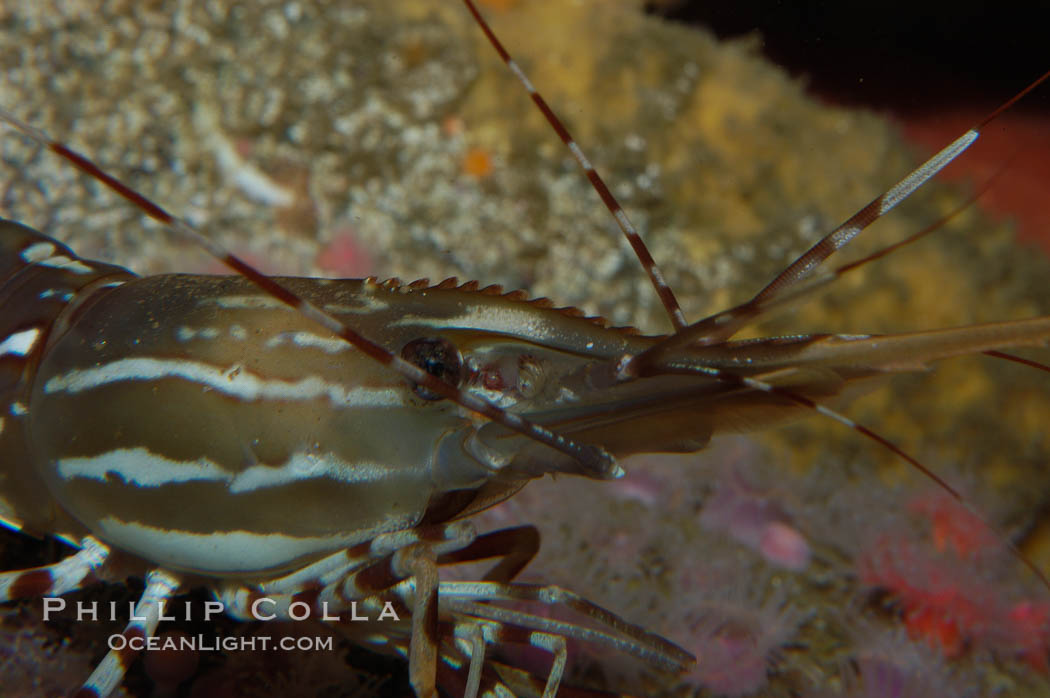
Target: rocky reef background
x,y
386,138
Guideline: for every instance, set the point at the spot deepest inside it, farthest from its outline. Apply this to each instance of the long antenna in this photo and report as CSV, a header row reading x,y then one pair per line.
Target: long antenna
x,y
722,326
656,277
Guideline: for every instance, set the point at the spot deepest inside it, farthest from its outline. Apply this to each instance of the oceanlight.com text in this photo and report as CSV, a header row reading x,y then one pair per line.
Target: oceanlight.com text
x,y
203,643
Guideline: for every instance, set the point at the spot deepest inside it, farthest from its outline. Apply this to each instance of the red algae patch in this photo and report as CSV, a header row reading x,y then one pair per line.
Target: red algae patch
x,y
946,583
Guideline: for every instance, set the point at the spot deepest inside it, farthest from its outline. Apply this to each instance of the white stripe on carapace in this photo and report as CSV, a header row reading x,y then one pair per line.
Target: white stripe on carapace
x,y
20,343
367,304
308,466
235,381
244,302
222,551
185,333
38,252
62,295
66,263
495,319
329,345
142,468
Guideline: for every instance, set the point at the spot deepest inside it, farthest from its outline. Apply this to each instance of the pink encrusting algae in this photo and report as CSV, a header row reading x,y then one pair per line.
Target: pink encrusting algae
x,y
755,518
728,589
940,598
953,526
686,580
950,598
889,664
1028,627
947,580
344,256
738,641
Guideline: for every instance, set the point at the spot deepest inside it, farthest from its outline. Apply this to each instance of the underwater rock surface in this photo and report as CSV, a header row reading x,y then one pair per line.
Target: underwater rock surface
x,y
386,138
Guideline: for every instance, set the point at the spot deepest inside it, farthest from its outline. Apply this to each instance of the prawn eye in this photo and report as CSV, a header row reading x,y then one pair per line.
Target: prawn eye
x,y
438,357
